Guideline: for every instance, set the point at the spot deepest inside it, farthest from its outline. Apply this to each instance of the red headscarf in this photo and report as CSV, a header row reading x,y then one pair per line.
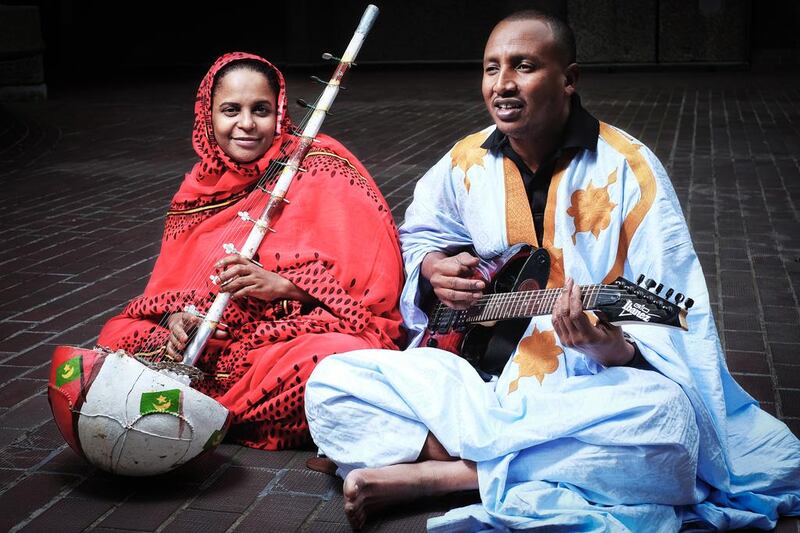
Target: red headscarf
x,y
216,173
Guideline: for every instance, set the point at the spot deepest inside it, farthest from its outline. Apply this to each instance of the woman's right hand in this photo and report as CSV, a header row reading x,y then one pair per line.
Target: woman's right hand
x,y
179,326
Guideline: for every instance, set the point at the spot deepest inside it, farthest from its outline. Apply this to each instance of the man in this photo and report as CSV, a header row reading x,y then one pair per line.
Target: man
x,y
586,427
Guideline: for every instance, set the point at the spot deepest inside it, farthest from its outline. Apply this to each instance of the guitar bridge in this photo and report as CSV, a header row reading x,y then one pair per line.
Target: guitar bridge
x,y
445,319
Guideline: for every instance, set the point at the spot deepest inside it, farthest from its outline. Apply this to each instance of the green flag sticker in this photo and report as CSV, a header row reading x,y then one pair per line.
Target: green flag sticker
x,y
214,440
69,370
164,401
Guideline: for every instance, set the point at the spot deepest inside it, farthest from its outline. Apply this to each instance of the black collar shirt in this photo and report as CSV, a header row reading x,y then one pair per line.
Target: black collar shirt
x,y
580,133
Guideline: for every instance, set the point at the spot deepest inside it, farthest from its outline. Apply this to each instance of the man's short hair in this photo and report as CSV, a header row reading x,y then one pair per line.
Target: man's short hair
x,y
562,33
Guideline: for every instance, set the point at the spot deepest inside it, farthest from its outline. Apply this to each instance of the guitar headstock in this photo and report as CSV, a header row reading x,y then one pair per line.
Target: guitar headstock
x,y
634,304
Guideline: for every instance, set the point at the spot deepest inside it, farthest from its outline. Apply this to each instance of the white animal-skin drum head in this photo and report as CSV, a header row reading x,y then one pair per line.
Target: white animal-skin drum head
x,y
132,420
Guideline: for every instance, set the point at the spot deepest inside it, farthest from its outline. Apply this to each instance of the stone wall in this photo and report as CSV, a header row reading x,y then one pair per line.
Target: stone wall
x,y
618,32
661,32
710,31
614,31
21,54
156,35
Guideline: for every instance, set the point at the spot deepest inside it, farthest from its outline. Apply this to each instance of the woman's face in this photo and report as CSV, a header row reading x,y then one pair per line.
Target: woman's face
x,y
244,115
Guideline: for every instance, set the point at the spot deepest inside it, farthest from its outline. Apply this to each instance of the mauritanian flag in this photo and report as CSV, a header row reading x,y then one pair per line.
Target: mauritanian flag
x,y
69,370
214,440
164,401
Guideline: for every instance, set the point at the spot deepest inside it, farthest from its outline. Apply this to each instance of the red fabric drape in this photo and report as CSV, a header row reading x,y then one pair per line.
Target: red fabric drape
x,y
336,240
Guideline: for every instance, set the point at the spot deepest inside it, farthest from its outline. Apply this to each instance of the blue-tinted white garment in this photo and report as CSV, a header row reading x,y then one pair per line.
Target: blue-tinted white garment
x,y
560,440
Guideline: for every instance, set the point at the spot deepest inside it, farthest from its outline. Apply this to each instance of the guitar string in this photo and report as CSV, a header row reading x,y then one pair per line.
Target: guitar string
x,y
502,301
545,299
525,301
511,303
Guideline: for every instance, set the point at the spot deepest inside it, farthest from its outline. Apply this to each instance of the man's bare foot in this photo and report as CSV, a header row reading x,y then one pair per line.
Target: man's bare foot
x,y
367,490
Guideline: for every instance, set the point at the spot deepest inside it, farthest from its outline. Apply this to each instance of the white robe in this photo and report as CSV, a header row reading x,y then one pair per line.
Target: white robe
x,y
559,439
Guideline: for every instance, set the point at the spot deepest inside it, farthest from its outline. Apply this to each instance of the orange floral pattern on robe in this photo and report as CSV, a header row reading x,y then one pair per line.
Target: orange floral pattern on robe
x,y
537,355
591,208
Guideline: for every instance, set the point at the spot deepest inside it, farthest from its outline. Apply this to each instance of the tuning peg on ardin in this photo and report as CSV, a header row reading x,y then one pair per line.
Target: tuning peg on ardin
x,y
659,288
192,310
640,279
649,284
303,103
244,215
679,298
327,57
323,82
668,294
689,303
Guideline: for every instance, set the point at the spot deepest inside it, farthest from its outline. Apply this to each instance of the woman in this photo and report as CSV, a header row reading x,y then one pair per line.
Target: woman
x,y
326,281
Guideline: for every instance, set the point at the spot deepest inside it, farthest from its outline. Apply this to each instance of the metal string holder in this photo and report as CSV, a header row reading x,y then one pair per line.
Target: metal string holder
x,y
261,225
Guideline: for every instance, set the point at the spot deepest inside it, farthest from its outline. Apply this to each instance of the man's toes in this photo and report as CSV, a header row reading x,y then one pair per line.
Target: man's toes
x,y
355,515
351,487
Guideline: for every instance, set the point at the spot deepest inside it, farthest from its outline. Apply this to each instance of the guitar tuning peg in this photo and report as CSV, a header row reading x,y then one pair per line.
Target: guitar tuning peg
x,y
679,298
689,303
659,288
649,284
668,294
640,279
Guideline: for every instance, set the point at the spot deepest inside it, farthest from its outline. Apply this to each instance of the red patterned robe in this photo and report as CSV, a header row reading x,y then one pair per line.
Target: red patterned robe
x,y
336,240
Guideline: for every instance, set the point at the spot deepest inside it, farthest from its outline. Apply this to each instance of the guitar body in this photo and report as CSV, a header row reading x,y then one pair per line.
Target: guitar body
x,y
487,347
487,332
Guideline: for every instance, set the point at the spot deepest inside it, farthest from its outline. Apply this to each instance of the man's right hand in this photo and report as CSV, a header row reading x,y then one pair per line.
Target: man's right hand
x,y
452,278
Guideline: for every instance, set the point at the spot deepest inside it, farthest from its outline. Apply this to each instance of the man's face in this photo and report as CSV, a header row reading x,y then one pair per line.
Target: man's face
x,y
525,83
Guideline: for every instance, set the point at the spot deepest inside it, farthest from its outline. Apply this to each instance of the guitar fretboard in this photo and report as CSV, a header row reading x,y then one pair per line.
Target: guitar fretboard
x,y
521,304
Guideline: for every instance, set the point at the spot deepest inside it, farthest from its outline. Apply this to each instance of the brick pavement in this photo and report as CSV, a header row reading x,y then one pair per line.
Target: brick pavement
x,y
88,175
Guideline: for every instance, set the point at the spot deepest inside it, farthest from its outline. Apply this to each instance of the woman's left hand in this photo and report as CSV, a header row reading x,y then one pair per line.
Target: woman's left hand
x,y
601,341
243,278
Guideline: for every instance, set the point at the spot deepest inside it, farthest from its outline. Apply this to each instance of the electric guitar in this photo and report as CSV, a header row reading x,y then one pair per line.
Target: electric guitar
x,y
486,333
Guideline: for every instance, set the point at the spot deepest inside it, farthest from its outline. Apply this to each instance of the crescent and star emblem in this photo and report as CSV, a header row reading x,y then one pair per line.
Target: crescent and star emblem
x,y
161,404
68,371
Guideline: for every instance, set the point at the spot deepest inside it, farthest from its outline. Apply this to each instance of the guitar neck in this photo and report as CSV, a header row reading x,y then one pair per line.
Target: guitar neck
x,y
525,304
621,302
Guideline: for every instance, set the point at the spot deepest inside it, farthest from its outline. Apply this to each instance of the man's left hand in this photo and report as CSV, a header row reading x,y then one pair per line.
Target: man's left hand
x,y
602,342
